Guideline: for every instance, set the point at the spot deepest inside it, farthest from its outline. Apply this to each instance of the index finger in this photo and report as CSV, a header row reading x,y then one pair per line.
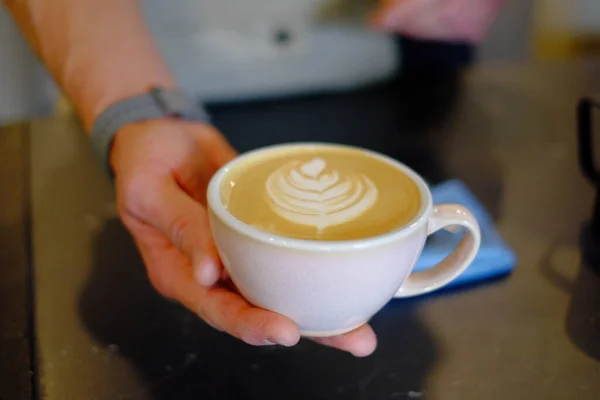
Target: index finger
x,y
161,203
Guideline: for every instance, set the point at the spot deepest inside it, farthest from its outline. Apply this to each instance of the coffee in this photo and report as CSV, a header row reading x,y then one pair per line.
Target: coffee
x,y
320,192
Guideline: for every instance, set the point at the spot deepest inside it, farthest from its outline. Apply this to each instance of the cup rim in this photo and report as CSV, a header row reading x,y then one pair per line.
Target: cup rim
x,y
216,206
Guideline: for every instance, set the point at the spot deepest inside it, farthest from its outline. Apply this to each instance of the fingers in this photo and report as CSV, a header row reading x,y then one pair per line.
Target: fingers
x,y
244,321
171,274
166,186
184,222
225,310
221,150
361,342
456,20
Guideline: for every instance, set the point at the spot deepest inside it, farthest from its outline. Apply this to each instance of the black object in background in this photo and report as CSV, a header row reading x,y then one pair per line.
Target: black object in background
x,y
585,128
434,55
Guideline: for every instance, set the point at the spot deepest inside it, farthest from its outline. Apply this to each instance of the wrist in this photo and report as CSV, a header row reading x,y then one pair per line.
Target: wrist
x,y
138,141
106,86
157,104
129,138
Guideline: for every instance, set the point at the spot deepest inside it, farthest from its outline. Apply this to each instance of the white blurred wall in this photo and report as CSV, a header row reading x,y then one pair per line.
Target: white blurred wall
x,y
225,50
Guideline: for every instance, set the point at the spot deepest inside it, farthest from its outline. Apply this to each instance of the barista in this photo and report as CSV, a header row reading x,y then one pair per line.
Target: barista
x,y
101,54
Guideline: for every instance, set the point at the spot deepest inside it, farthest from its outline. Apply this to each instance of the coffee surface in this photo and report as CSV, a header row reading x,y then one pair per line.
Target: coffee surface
x,y
320,193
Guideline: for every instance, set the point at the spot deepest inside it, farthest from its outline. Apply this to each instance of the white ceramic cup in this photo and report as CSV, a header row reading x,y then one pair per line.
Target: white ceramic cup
x,y
329,288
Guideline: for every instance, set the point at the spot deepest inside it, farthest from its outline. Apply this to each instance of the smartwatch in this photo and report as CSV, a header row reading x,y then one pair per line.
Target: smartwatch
x,y
155,104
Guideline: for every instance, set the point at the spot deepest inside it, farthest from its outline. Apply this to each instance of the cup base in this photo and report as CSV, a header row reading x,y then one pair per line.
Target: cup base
x,y
321,334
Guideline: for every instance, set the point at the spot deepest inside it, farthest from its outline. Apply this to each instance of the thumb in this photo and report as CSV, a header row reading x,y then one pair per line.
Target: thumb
x,y
184,222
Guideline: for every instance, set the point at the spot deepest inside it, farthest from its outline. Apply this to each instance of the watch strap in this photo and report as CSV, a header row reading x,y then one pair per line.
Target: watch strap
x,y
157,103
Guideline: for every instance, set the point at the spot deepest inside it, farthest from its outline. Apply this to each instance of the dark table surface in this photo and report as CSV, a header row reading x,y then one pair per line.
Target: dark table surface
x,y
509,133
15,304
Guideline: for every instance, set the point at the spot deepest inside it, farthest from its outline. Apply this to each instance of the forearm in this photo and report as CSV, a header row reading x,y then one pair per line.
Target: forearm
x,y
99,51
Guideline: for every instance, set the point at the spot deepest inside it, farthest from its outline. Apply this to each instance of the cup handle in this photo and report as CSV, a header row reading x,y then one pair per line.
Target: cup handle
x,y
443,216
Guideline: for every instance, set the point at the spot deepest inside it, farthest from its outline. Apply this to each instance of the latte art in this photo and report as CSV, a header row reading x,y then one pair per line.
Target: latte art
x,y
303,193
320,192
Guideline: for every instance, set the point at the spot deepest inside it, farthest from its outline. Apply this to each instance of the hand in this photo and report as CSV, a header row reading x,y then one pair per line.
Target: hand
x,y
443,20
162,169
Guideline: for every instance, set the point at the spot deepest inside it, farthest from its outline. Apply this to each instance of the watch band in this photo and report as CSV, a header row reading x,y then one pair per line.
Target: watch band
x,y
157,103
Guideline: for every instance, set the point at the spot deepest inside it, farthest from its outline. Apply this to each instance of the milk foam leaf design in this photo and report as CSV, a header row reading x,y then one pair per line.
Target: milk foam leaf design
x,y
314,167
303,193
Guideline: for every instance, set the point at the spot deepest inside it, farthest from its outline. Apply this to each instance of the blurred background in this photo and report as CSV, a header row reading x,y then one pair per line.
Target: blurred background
x,y
508,132
235,50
